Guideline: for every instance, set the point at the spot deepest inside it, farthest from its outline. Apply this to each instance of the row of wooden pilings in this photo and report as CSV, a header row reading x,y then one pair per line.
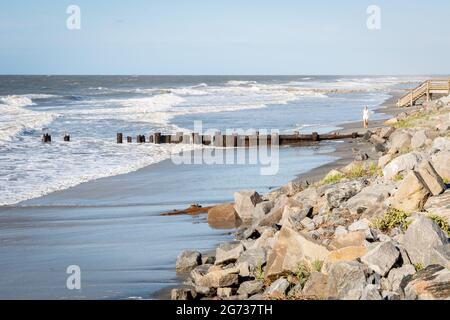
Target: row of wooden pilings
x,y
47,138
235,140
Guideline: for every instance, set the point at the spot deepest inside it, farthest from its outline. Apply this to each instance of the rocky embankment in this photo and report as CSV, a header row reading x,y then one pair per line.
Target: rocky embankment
x,y
374,229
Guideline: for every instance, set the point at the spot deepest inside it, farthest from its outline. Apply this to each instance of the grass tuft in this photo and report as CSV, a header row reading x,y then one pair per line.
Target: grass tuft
x,y
303,272
393,218
441,222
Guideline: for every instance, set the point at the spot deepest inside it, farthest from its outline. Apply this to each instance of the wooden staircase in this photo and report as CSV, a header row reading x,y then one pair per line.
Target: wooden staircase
x,y
426,90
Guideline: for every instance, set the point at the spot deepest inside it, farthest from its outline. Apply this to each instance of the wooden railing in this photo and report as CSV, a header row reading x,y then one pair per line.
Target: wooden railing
x,y
426,89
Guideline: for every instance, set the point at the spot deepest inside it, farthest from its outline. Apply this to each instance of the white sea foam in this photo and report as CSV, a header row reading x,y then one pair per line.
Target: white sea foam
x,y
14,118
42,169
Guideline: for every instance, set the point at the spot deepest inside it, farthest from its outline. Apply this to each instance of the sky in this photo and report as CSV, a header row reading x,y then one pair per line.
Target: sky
x,y
247,37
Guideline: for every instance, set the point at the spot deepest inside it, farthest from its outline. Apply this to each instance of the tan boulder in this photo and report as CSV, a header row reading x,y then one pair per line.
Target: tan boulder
x,y
412,193
222,216
432,179
345,254
351,239
316,287
291,249
439,206
441,161
217,278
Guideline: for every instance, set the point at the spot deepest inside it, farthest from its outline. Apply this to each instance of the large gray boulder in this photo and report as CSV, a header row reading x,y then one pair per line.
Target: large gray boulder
x,y
440,161
399,140
381,258
343,191
442,144
421,237
253,257
293,216
401,164
188,260
250,288
441,255
279,287
370,199
431,283
419,139
371,292
245,203
397,275
432,179
346,280
228,253
439,206
412,193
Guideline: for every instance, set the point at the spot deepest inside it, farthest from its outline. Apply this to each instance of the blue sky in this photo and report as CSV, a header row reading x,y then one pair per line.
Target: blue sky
x,y
224,37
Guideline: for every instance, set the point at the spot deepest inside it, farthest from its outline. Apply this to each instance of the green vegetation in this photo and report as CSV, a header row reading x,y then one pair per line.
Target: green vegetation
x,y
442,223
419,266
356,171
333,179
397,177
303,272
392,219
412,121
419,118
259,272
405,150
317,265
446,181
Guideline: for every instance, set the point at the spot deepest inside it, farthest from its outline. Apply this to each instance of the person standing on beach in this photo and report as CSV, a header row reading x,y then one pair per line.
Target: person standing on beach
x,y
366,117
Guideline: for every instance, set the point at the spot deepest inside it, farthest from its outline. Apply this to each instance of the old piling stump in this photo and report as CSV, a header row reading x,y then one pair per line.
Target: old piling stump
x,y
46,138
66,138
315,136
119,138
157,137
129,139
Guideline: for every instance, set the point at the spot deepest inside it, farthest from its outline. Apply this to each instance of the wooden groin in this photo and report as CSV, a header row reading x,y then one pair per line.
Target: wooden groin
x,y
235,140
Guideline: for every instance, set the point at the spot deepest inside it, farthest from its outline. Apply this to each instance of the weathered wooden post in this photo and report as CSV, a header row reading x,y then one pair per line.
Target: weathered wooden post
x,y
46,138
157,137
150,138
119,138
315,136
66,138
129,139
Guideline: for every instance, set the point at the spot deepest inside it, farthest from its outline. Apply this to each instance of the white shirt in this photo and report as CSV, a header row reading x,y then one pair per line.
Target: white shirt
x,y
366,114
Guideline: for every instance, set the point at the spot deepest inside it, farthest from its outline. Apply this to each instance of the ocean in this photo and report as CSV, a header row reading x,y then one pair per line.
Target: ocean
x,y
92,109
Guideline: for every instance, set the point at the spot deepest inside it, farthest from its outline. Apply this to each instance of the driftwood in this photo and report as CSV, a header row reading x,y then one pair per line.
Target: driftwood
x,y
193,210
